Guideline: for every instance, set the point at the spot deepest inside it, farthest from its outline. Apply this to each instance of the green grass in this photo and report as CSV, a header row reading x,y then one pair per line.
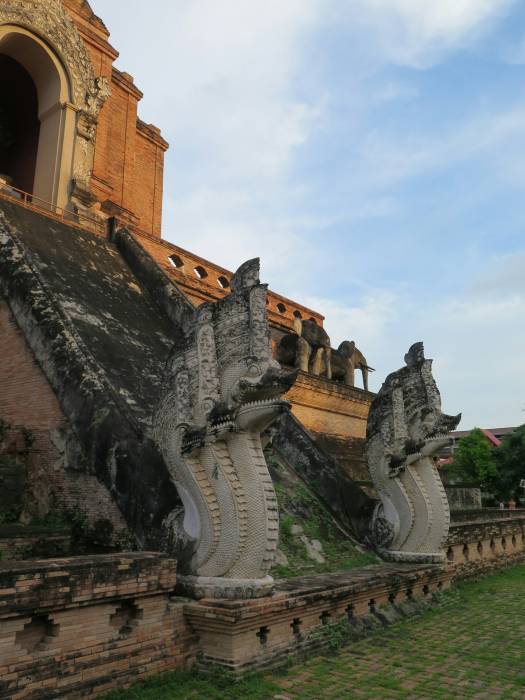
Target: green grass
x,y
217,685
471,646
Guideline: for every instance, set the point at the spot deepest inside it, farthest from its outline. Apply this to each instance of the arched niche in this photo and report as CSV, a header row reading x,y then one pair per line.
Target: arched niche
x,y
55,111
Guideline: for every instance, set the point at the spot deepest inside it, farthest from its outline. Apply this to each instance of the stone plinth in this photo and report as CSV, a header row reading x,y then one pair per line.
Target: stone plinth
x,y
242,635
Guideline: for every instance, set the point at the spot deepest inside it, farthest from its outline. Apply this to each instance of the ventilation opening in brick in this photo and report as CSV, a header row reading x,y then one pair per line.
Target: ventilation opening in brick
x,y
372,605
480,549
392,598
410,594
440,585
125,618
465,551
281,308
200,272
297,314
514,540
325,617
450,554
504,543
492,545
263,634
223,281
37,634
426,589
350,611
296,627
175,260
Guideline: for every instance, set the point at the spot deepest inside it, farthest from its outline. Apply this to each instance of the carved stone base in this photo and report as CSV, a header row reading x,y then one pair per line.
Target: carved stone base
x,y
412,557
231,588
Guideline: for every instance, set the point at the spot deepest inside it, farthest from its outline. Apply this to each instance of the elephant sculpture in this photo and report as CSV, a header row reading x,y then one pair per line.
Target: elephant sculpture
x,y
345,360
309,349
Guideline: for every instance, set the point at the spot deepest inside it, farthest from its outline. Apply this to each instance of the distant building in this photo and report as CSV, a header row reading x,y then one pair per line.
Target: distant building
x,y
464,496
493,435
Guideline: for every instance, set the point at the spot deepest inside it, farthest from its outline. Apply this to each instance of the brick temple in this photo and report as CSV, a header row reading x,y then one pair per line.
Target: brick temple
x,y
94,309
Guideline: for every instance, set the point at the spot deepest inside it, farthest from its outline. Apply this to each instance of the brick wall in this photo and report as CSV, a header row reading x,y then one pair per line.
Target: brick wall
x,y
129,155
330,408
243,635
29,407
79,627
479,546
35,438
26,398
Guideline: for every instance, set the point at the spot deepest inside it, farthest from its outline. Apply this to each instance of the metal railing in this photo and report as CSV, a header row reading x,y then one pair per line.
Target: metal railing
x,y
71,218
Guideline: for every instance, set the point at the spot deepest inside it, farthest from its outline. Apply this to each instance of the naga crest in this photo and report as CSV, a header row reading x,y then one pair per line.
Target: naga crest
x,y
405,430
224,389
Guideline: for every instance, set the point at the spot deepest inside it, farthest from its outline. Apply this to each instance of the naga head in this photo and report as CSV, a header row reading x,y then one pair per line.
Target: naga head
x,y
427,426
226,369
410,402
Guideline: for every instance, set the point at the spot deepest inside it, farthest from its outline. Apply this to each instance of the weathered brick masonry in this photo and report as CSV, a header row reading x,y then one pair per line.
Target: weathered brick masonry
x,y
479,546
242,635
129,154
78,627
32,436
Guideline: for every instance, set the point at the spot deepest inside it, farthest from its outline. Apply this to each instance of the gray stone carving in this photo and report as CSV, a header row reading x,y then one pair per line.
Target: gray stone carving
x,y
224,390
406,428
345,360
309,349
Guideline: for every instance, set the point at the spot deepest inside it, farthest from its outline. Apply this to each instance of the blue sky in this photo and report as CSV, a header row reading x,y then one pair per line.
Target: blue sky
x,y
371,152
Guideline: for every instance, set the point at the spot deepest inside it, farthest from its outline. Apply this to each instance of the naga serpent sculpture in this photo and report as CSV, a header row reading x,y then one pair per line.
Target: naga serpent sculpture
x,y
224,390
406,428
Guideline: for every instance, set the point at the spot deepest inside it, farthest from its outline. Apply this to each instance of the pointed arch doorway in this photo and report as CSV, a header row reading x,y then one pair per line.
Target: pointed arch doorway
x,y
37,118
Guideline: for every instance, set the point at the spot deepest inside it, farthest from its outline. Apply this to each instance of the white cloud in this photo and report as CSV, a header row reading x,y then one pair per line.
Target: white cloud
x,y
383,159
479,345
417,33
219,79
217,76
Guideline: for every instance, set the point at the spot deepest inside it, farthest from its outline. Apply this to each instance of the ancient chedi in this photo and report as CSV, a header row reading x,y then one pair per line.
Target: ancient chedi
x,y
139,381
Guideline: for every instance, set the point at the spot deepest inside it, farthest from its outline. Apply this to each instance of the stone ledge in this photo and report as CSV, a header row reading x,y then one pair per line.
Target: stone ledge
x,y
479,529
79,581
481,546
248,634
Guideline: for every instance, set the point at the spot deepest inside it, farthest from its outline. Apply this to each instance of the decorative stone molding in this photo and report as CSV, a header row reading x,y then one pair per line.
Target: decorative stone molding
x,y
50,21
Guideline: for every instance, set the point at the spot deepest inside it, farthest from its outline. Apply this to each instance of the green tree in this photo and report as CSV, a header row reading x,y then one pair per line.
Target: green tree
x,y
474,461
510,464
